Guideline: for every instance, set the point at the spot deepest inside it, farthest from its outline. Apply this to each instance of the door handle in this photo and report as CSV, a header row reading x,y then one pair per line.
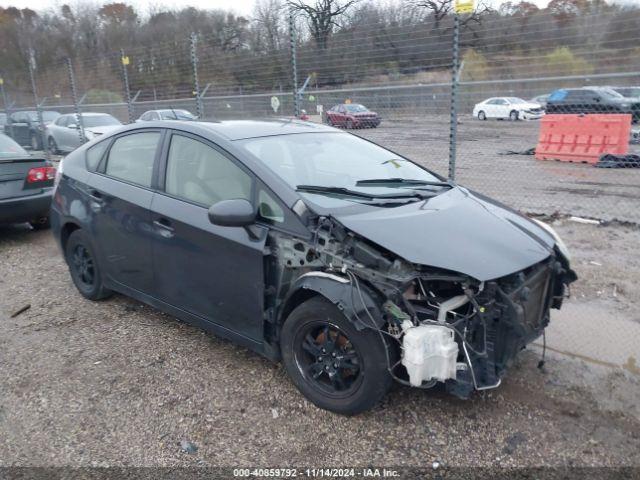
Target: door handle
x,y
96,196
164,227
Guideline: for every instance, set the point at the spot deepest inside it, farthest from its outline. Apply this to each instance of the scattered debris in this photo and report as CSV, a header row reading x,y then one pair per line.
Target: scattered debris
x,y
21,310
274,413
528,151
586,221
188,447
597,264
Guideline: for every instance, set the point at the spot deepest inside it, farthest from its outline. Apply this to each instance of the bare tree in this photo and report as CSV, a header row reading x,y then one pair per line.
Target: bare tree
x,y
440,9
321,17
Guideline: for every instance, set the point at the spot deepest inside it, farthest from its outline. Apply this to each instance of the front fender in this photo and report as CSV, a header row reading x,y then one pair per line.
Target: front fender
x,y
360,303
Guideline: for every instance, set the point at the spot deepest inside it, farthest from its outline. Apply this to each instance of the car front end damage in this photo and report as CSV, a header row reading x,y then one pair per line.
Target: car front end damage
x,y
438,325
533,113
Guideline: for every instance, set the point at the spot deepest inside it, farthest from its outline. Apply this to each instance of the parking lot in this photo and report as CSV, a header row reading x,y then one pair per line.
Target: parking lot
x,y
520,181
118,383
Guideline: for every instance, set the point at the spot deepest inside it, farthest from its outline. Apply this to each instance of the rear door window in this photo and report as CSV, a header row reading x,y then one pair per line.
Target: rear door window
x,y
198,173
131,158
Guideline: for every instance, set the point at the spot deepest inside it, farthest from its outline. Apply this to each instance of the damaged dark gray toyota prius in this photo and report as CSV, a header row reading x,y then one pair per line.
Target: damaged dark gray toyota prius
x,y
349,262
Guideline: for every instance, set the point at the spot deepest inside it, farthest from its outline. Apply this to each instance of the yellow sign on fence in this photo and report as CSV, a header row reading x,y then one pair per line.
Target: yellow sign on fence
x,y
463,6
125,60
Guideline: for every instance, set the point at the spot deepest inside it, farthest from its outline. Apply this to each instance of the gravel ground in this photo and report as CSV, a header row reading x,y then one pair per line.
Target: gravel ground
x,y
118,383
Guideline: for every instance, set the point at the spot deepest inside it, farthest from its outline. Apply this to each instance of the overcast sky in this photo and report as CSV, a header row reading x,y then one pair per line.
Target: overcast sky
x,y
243,7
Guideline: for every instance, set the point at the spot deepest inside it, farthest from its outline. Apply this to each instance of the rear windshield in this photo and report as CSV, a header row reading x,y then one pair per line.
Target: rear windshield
x,y
100,121
10,149
176,115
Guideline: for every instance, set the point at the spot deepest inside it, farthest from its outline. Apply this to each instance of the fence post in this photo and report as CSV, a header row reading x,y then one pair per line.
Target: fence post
x,y
125,81
76,104
196,83
294,65
453,121
7,107
34,89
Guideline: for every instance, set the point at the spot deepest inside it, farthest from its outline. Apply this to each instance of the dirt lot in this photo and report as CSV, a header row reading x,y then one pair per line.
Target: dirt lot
x,y
118,383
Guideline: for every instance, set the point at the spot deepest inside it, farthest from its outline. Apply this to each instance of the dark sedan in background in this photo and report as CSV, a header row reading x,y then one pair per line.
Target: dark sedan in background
x,y
592,100
352,115
26,185
24,127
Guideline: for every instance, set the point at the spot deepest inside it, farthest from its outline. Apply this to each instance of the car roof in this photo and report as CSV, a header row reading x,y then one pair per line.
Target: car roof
x,y
239,129
90,114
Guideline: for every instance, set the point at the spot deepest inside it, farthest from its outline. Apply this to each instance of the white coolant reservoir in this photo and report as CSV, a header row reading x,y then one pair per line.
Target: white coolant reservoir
x,y
429,353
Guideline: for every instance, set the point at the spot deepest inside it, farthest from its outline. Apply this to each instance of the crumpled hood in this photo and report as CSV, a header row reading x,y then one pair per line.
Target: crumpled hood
x,y
458,231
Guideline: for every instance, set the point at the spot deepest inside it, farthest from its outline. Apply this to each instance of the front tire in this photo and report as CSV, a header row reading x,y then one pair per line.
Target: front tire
x,y
335,366
482,115
349,124
84,268
513,116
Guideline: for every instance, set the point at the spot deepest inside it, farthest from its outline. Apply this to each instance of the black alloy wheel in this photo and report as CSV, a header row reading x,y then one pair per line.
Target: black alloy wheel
x,y
328,360
335,365
83,266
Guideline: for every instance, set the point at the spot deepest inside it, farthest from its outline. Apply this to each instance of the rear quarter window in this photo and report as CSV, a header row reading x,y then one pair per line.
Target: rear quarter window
x,y
95,154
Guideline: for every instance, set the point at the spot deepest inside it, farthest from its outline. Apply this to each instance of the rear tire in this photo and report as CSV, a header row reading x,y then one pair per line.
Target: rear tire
x,y
335,366
84,268
349,124
35,142
53,147
42,223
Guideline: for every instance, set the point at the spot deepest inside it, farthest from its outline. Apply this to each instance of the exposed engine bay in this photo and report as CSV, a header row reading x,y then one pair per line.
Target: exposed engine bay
x,y
438,325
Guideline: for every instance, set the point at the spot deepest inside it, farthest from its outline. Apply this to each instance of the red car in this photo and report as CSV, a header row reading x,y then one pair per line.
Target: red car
x,y
352,115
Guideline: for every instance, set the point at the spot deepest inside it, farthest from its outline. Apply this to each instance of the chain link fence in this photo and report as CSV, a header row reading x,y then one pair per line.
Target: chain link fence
x,y
464,104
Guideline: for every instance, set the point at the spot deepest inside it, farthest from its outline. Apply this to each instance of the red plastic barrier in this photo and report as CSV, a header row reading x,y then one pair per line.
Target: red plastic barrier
x,y
583,138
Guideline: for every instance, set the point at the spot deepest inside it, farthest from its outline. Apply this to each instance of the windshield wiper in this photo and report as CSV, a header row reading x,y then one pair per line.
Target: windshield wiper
x,y
354,193
401,182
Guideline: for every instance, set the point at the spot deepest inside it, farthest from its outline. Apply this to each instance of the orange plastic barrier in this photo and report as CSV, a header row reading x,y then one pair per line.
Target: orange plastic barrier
x,y
583,138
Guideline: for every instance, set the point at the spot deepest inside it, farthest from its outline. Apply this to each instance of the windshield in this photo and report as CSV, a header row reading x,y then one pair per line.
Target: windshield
x,y
629,92
515,100
608,92
46,116
354,108
99,121
176,115
336,160
10,149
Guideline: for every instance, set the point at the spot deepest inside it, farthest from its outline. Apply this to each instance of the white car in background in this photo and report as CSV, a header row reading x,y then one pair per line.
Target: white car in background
x,y
167,114
511,108
63,135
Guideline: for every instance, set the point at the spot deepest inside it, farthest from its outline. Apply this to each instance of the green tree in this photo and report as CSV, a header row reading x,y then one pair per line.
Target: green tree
x,y
475,66
562,61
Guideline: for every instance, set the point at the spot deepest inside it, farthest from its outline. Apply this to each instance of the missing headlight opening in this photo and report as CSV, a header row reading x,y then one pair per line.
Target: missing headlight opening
x,y
437,325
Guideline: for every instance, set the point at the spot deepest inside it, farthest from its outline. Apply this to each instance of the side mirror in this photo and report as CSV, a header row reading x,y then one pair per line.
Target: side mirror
x,y
232,213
